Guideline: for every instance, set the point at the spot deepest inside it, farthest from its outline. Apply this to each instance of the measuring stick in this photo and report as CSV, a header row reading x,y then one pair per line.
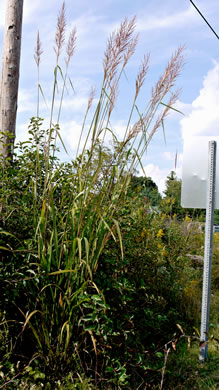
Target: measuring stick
x,y
209,226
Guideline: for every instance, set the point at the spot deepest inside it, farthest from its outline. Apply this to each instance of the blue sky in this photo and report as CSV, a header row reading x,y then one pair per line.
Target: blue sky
x,y
163,27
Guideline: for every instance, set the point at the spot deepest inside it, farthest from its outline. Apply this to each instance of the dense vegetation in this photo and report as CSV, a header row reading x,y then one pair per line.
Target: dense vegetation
x,y
100,284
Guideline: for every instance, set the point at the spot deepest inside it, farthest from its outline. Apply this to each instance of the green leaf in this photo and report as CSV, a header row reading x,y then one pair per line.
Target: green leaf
x,y
62,142
41,91
180,328
71,84
29,317
162,123
172,108
8,234
39,375
62,272
108,228
120,237
5,249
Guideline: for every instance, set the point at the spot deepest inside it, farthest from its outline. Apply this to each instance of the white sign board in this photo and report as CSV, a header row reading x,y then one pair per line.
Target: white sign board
x,y
195,172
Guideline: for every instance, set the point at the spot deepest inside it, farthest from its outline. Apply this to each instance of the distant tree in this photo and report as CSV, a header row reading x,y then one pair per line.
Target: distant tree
x,y
171,203
216,217
10,76
146,188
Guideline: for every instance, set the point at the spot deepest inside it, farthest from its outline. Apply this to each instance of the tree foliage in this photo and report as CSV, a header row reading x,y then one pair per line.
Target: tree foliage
x,y
145,188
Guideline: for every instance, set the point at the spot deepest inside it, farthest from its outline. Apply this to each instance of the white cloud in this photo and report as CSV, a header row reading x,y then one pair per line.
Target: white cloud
x,y
119,128
22,131
159,175
70,132
77,103
30,9
204,116
87,24
26,103
175,20
184,108
170,156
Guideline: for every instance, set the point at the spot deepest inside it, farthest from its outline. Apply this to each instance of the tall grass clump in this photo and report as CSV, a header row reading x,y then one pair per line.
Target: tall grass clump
x,y
57,227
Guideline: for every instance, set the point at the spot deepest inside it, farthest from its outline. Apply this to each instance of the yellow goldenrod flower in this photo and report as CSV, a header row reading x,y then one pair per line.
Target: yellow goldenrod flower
x,y
160,233
164,252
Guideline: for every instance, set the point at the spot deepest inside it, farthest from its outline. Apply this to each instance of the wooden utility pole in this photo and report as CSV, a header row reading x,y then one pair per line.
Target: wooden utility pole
x,y
10,76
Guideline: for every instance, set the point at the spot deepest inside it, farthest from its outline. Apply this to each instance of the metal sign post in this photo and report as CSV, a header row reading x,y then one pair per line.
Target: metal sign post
x,y
206,290
200,190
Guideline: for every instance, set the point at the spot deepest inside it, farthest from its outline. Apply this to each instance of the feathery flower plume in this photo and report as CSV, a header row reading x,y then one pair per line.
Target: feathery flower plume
x,y
60,31
130,50
172,71
172,100
70,48
142,74
91,97
37,54
162,87
113,95
38,50
121,43
135,130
